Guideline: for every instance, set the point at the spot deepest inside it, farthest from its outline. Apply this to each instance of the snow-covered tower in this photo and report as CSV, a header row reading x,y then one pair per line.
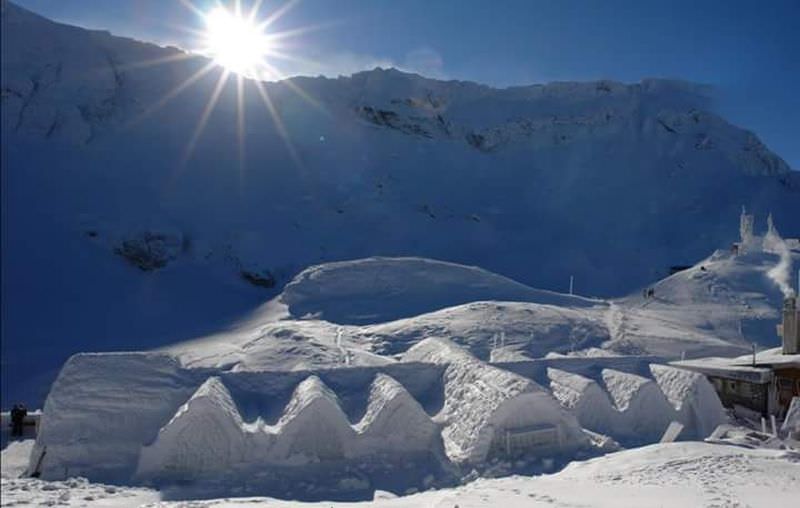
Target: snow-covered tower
x,y
789,329
746,221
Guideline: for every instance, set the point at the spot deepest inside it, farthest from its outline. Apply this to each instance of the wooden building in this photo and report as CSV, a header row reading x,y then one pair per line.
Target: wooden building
x,y
764,382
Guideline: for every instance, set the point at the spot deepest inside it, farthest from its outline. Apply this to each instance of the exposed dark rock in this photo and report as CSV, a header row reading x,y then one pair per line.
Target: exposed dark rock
x,y
263,278
150,251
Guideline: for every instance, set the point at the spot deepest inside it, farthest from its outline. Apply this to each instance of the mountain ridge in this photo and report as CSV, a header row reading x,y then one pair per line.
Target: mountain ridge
x,y
126,226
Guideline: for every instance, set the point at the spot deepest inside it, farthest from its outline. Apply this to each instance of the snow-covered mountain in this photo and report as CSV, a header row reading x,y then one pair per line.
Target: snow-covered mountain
x,y
371,311
117,236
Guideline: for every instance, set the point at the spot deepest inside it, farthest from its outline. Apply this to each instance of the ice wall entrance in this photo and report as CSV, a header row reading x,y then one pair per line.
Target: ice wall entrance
x,y
521,441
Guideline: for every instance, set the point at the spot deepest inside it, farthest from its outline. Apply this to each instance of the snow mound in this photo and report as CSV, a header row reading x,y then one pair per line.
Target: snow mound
x,y
586,399
204,437
375,290
483,403
644,410
394,420
696,402
313,426
530,329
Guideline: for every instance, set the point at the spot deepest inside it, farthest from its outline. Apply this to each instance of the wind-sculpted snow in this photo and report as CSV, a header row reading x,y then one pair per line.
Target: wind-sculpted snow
x,y
527,330
204,437
313,426
644,411
523,181
483,402
394,421
693,397
376,290
632,408
586,400
141,417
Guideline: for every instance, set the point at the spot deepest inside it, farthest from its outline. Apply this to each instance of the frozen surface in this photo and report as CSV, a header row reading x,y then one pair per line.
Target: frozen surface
x,y
676,475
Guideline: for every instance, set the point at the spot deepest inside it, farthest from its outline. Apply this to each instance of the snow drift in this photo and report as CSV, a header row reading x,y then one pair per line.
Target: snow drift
x,y
482,403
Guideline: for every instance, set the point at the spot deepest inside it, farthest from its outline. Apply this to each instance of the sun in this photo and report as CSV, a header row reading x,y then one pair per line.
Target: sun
x,y
234,41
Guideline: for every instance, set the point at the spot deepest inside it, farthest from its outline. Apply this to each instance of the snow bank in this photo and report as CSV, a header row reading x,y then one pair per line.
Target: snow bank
x,y
482,403
696,402
644,410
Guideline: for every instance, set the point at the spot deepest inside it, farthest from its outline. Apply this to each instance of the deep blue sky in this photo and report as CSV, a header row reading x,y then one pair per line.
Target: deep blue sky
x,y
749,49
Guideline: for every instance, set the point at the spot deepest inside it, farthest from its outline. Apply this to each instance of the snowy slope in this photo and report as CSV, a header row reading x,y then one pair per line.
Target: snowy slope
x,y
116,238
718,307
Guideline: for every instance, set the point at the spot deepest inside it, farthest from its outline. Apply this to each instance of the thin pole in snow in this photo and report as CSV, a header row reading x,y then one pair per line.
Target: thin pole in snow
x,y
754,354
774,427
571,282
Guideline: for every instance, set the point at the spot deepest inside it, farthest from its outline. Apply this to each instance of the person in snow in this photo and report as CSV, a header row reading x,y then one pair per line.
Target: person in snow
x,y
18,414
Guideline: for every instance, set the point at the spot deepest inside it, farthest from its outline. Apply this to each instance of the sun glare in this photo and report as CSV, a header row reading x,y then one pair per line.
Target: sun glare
x,y
235,42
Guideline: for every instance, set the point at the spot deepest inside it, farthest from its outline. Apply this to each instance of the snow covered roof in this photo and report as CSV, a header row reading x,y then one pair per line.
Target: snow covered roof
x,y
743,367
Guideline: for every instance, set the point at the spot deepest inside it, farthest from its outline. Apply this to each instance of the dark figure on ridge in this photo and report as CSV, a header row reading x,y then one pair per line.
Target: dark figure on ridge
x,y
18,414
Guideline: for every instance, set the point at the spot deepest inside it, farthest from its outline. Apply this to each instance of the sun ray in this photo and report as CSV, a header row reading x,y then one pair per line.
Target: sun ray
x,y
254,10
278,14
177,57
174,93
278,122
289,34
192,7
295,88
240,123
201,124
